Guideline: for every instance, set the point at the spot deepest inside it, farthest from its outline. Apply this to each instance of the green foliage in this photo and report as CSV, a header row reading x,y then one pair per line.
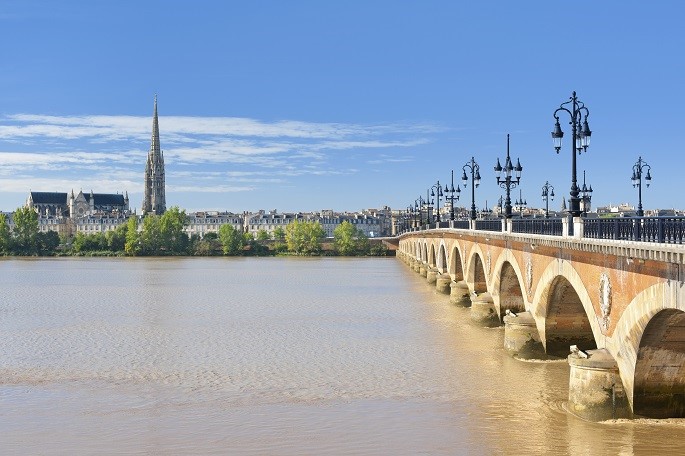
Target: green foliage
x,y
132,246
25,232
349,240
279,234
116,239
232,240
47,242
304,237
263,235
379,249
5,236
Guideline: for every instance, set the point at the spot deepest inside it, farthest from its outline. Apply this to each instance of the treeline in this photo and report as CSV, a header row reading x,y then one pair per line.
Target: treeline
x,y
159,235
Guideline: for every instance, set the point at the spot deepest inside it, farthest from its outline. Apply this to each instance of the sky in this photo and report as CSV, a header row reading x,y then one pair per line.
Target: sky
x,y
342,105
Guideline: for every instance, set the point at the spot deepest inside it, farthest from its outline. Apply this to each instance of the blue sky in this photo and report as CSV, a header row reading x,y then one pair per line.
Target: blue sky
x,y
344,105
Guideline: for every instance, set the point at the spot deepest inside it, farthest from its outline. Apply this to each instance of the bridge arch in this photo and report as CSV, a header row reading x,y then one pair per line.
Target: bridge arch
x,y
456,265
475,273
648,344
564,312
442,258
431,256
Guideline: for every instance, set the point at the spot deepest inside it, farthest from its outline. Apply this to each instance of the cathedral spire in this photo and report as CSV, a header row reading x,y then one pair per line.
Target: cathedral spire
x,y
155,196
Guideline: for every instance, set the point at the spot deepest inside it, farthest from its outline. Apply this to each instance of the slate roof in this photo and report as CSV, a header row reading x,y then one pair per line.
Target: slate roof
x,y
49,198
106,199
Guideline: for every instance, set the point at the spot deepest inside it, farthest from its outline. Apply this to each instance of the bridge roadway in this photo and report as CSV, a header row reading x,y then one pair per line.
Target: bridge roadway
x,y
621,303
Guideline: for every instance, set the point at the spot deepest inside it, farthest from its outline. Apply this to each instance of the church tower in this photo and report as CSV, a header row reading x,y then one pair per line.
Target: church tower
x,y
154,201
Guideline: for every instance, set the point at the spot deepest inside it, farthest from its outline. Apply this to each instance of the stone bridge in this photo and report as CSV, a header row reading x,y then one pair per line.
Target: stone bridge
x,y
615,309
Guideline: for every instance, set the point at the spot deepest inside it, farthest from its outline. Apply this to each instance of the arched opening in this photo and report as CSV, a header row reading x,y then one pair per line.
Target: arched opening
x,y
479,283
424,254
455,265
417,251
659,390
431,258
566,323
442,259
510,296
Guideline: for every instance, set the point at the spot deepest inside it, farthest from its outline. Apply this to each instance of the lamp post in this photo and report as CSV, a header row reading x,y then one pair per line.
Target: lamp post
x,y
418,207
436,192
586,194
506,180
638,168
451,190
580,141
521,202
475,182
547,194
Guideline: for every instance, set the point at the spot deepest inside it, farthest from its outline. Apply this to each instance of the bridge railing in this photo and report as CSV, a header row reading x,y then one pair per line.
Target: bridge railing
x,y
665,230
489,225
549,226
670,230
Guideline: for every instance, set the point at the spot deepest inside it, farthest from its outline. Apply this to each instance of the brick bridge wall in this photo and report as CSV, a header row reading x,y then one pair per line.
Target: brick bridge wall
x,y
599,293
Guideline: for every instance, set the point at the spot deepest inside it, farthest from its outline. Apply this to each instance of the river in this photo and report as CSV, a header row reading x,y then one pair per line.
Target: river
x,y
273,356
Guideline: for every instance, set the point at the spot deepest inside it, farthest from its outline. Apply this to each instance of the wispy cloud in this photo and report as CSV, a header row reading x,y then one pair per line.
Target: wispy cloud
x,y
107,153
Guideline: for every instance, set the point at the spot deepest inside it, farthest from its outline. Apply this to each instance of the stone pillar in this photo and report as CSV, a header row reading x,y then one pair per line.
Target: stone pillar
x,y
423,270
578,227
417,266
459,294
483,310
595,390
431,275
521,336
442,283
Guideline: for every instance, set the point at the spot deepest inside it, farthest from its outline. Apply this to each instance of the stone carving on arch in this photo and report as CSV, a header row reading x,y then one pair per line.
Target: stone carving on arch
x,y
605,300
529,277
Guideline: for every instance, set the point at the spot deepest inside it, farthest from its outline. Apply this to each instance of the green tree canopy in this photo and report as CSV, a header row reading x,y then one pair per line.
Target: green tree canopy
x,y
232,240
349,240
25,232
304,237
5,239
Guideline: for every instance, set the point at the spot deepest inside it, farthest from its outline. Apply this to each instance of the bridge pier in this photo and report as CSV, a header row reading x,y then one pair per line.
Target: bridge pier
x,y
442,283
459,294
595,390
423,270
483,310
521,336
431,275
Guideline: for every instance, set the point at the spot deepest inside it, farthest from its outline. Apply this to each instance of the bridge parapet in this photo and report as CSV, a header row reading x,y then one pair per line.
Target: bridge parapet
x,y
596,294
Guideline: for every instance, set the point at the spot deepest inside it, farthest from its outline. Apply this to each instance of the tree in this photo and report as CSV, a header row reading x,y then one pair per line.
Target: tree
x,y
232,240
172,236
349,240
25,231
279,234
48,242
304,237
5,237
132,246
116,239
263,235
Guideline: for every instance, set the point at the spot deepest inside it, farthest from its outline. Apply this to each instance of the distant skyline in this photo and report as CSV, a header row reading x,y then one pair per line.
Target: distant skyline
x,y
310,105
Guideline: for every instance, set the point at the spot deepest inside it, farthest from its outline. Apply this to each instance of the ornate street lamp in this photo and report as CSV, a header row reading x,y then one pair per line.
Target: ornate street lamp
x,y
436,194
475,182
451,190
580,141
638,168
586,194
507,180
547,194
521,203
418,207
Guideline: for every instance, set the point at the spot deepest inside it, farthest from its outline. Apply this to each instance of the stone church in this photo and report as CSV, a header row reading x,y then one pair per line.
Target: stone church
x,y
91,212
